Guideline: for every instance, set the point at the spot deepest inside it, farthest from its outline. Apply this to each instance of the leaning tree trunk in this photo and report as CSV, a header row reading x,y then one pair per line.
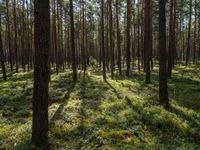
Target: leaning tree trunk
x,y
41,69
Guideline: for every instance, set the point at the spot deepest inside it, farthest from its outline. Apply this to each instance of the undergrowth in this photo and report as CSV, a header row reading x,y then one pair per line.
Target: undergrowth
x,y
117,114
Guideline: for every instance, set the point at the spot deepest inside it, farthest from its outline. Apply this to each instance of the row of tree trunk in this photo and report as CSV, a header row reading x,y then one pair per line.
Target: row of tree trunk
x,y
50,44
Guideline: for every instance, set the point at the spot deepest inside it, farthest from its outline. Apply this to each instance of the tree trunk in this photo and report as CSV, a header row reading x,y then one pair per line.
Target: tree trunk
x,y
118,38
73,42
2,54
102,40
195,25
189,36
41,69
172,42
15,39
138,36
111,38
147,38
9,38
163,89
83,47
128,22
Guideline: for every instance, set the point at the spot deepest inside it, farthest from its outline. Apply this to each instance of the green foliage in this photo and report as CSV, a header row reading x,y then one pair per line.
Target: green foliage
x,y
117,114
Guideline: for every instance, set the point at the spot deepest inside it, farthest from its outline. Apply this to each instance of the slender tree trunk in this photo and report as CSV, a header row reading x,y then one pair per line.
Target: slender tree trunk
x,y
195,25
41,77
2,54
23,51
102,40
15,39
73,42
175,54
118,38
147,38
83,49
138,34
9,37
172,42
111,38
128,22
163,89
189,36
55,37
151,34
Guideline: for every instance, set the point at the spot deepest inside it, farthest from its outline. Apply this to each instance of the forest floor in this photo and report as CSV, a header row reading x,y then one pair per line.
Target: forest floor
x,y
119,114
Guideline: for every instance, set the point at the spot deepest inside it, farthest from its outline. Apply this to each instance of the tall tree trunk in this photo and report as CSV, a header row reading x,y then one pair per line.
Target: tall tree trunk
x,y
2,54
9,38
73,42
23,50
128,22
15,39
175,54
111,38
83,47
55,37
138,36
41,77
189,36
118,38
172,42
102,40
163,88
147,38
195,25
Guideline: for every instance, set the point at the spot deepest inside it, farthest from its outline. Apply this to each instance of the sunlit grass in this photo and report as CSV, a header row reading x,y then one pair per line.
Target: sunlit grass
x,y
118,114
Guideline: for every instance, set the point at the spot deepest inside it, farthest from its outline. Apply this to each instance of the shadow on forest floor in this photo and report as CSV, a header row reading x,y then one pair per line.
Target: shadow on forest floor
x,y
117,114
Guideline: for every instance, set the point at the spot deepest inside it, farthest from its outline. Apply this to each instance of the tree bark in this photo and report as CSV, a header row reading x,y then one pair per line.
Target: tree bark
x,y
163,88
102,40
147,38
15,39
189,36
118,38
73,42
128,22
172,39
41,69
2,54
111,38
9,37
195,26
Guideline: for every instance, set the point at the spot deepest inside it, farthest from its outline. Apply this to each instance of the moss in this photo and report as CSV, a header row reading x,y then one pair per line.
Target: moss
x,y
117,114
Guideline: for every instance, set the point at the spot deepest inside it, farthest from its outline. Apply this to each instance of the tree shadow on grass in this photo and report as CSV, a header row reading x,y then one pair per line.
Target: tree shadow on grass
x,y
159,129
192,118
63,102
165,131
185,92
90,92
114,90
15,105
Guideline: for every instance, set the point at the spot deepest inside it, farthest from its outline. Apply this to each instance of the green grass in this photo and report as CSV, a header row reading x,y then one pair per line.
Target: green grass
x,y
117,114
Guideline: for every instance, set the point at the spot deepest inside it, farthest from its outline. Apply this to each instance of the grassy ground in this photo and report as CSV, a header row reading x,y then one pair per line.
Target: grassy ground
x,y
117,114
